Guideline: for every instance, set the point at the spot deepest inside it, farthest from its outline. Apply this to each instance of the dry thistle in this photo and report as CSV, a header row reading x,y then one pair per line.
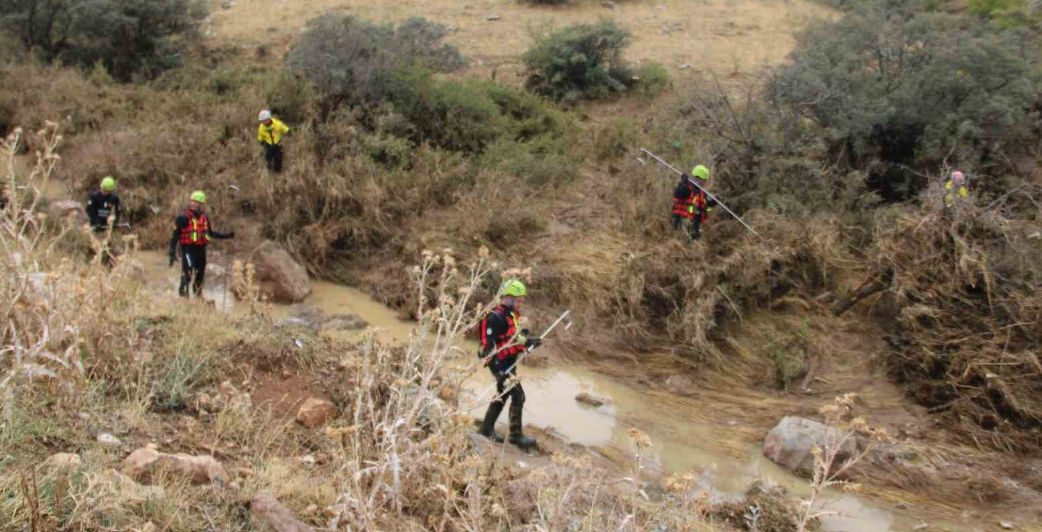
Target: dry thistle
x,y
641,440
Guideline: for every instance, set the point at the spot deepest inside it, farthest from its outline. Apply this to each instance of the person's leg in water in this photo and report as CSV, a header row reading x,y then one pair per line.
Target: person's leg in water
x,y
186,272
200,272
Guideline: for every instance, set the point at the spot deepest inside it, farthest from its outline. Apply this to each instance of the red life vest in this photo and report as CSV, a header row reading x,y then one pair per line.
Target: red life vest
x,y
682,207
489,344
197,233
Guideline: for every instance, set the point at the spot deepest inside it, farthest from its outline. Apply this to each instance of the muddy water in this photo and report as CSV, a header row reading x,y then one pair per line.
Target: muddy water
x,y
678,443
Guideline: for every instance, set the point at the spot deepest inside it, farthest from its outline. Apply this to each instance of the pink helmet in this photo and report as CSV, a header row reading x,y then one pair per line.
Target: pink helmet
x,y
958,177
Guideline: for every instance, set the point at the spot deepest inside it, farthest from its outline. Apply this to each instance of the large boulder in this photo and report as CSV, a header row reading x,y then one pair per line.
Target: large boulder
x,y
143,464
791,443
315,412
268,515
279,277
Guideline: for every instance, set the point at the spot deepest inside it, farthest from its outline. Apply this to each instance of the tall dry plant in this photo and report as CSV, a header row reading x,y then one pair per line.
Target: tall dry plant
x,y
53,306
829,469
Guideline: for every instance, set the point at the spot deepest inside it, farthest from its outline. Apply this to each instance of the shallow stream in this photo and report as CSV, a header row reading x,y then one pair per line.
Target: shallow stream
x,y
678,445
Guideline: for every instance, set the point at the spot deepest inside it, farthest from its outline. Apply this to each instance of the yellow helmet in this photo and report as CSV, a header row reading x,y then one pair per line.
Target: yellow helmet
x,y
700,172
513,287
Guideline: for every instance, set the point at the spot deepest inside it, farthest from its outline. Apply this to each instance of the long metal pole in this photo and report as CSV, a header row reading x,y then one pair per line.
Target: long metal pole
x,y
724,207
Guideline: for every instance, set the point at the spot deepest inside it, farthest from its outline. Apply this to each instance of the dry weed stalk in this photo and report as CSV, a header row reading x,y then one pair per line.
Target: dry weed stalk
x,y
42,307
828,471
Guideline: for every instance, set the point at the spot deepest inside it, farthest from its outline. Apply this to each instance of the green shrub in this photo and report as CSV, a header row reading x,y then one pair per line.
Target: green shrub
x,y
350,60
896,86
130,37
583,61
651,78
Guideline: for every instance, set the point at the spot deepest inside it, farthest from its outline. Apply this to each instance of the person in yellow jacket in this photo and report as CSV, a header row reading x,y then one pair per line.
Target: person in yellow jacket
x,y
955,187
270,134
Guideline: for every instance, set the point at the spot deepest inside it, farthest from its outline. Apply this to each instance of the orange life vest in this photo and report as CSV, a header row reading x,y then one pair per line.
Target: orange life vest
x,y
682,207
489,344
198,231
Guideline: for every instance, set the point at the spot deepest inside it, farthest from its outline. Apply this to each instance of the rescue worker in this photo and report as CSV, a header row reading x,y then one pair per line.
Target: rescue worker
x,y
102,204
192,230
270,134
501,345
955,187
690,202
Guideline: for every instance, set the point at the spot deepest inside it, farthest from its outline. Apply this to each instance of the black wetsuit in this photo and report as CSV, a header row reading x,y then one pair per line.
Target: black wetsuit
x,y
100,206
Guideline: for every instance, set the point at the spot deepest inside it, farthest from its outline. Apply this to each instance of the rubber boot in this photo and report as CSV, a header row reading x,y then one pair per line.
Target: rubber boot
x,y
488,426
517,437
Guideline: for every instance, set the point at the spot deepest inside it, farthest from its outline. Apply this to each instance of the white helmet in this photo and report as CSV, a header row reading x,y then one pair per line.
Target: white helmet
x,y
264,115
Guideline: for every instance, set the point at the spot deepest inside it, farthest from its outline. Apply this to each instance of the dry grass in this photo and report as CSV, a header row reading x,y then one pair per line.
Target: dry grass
x,y
725,36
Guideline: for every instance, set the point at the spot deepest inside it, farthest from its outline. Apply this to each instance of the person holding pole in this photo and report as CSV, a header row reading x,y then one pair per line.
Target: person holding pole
x,y
193,232
501,346
690,202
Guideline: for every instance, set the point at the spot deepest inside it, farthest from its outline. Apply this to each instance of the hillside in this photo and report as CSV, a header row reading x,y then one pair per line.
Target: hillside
x,y
354,407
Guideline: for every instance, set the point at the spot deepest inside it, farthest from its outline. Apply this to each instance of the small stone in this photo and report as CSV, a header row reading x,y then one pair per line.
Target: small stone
x,y
312,508
84,416
922,526
607,4
227,4
901,506
493,17
235,486
147,527
60,460
244,472
685,66
308,460
108,439
1006,525
315,412
286,374
588,399
450,29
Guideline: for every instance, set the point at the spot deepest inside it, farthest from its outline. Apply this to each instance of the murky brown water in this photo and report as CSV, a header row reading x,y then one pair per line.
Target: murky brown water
x,y
678,443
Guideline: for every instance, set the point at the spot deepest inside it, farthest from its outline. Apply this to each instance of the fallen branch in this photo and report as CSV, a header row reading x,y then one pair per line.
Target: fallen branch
x,y
874,285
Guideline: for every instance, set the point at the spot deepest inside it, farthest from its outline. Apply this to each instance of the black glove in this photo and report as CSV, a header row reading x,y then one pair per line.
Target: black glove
x,y
231,235
172,261
685,178
524,332
533,343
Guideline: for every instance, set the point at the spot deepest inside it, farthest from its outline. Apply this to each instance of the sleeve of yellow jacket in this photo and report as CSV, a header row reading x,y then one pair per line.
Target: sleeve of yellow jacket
x,y
260,133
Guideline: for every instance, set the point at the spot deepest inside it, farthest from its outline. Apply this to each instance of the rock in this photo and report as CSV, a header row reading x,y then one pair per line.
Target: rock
x,y
680,384
130,492
901,506
315,412
60,460
588,399
144,463
307,460
147,527
268,515
452,29
685,66
922,526
312,508
792,441
493,17
227,4
110,440
607,4
74,211
245,472
1006,525
279,277
311,316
